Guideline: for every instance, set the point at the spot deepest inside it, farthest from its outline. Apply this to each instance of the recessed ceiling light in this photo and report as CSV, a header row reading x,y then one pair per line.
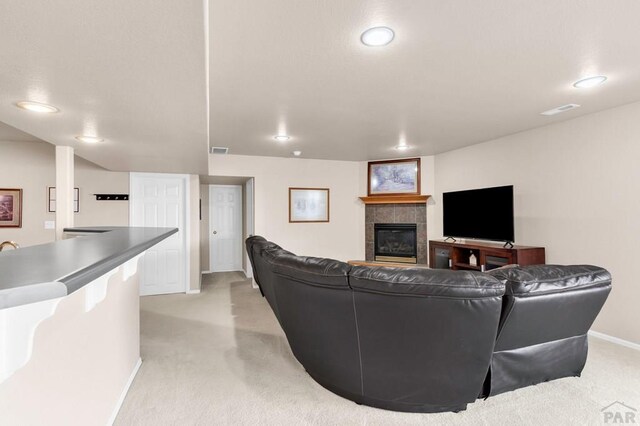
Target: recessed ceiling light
x,y
281,138
377,36
37,107
589,82
560,109
89,139
297,153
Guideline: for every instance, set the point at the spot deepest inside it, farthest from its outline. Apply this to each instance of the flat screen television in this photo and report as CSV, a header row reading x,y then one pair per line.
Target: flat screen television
x,y
483,214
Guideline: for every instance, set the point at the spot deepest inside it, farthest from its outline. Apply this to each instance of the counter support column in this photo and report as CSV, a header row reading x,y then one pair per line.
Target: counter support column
x,y
64,189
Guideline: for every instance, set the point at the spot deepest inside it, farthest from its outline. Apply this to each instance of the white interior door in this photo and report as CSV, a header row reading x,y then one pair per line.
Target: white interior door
x,y
160,200
225,209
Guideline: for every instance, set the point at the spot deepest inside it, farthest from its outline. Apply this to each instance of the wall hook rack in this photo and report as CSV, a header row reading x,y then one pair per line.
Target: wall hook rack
x,y
112,197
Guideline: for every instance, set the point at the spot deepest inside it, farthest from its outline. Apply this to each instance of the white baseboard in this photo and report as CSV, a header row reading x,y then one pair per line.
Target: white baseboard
x,y
615,340
124,392
206,272
196,291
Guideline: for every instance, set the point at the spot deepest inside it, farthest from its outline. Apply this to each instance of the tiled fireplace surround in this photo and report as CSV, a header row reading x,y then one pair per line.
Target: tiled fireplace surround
x,y
396,213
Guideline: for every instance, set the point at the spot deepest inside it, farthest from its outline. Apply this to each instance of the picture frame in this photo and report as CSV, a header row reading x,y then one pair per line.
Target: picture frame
x,y
308,205
51,204
10,207
394,177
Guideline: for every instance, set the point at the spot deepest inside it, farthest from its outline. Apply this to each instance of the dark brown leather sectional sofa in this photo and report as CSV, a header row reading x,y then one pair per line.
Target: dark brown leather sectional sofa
x,y
429,340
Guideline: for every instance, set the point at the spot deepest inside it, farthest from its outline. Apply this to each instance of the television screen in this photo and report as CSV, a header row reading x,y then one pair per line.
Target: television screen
x,y
484,214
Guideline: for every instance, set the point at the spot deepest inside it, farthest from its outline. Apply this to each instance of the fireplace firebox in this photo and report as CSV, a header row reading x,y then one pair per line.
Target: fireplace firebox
x,y
395,242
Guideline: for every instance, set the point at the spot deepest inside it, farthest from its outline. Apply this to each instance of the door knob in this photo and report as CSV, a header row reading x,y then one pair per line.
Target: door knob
x,y
215,232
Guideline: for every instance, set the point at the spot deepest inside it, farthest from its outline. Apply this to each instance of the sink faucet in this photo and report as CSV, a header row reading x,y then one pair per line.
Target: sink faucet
x,y
9,243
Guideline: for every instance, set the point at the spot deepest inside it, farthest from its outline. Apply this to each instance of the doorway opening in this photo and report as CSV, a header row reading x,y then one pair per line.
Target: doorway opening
x,y
227,219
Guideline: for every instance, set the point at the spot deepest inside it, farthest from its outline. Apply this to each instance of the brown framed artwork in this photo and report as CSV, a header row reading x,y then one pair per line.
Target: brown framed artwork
x,y
51,205
394,177
10,207
308,205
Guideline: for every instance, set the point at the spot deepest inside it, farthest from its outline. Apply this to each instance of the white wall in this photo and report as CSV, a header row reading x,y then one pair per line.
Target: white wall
x,y
31,166
577,192
342,238
92,179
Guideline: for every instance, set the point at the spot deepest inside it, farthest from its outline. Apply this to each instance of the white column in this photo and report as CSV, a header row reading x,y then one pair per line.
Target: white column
x,y
64,189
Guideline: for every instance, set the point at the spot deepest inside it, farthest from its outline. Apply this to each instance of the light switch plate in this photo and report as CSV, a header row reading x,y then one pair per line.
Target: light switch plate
x,y
49,224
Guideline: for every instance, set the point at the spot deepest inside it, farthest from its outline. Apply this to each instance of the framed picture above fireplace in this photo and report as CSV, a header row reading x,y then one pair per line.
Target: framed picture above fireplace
x,y
394,177
308,205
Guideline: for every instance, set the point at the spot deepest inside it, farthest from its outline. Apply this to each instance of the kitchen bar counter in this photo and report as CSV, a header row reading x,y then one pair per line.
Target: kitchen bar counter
x,y
70,325
48,271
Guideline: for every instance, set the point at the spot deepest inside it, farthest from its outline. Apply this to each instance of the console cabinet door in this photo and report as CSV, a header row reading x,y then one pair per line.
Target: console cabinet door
x,y
439,256
492,259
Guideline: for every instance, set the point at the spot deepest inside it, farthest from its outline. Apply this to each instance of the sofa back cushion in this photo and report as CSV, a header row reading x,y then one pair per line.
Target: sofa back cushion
x,y
425,282
251,244
417,323
537,280
261,254
316,311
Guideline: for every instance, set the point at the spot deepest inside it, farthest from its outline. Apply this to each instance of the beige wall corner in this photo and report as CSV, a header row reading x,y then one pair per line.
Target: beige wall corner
x,y
32,167
342,238
576,189
92,179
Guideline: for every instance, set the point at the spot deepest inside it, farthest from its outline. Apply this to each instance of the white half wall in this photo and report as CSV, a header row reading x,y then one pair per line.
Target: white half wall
x,y
577,192
74,356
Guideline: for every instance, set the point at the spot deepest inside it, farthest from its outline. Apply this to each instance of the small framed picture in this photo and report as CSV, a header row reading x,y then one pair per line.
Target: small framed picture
x,y
52,200
308,205
10,207
394,177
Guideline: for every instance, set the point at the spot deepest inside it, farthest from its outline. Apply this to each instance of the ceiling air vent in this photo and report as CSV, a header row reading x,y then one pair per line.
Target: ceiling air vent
x,y
560,109
219,150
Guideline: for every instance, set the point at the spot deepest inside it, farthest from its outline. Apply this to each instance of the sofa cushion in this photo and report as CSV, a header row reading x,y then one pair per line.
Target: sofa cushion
x,y
547,279
424,282
313,271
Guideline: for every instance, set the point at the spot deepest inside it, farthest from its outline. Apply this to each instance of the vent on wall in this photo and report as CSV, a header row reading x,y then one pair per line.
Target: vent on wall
x,y
219,150
560,109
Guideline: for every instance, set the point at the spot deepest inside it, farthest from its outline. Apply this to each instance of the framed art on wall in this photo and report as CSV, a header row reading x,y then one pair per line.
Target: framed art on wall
x,y
10,207
308,205
52,200
394,177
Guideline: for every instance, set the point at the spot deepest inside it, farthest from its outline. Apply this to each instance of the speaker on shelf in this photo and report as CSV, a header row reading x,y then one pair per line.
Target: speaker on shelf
x,y
442,258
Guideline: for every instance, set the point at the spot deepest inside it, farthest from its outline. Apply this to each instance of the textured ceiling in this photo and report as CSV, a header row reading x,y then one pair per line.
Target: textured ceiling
x,y
8,133
457,73
133,72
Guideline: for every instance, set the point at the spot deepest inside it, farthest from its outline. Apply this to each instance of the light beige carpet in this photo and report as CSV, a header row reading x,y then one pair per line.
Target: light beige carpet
x,y
220,357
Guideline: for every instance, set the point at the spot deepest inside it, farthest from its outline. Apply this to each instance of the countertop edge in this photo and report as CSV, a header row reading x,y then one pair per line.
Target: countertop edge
x,y
48,287
79,279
